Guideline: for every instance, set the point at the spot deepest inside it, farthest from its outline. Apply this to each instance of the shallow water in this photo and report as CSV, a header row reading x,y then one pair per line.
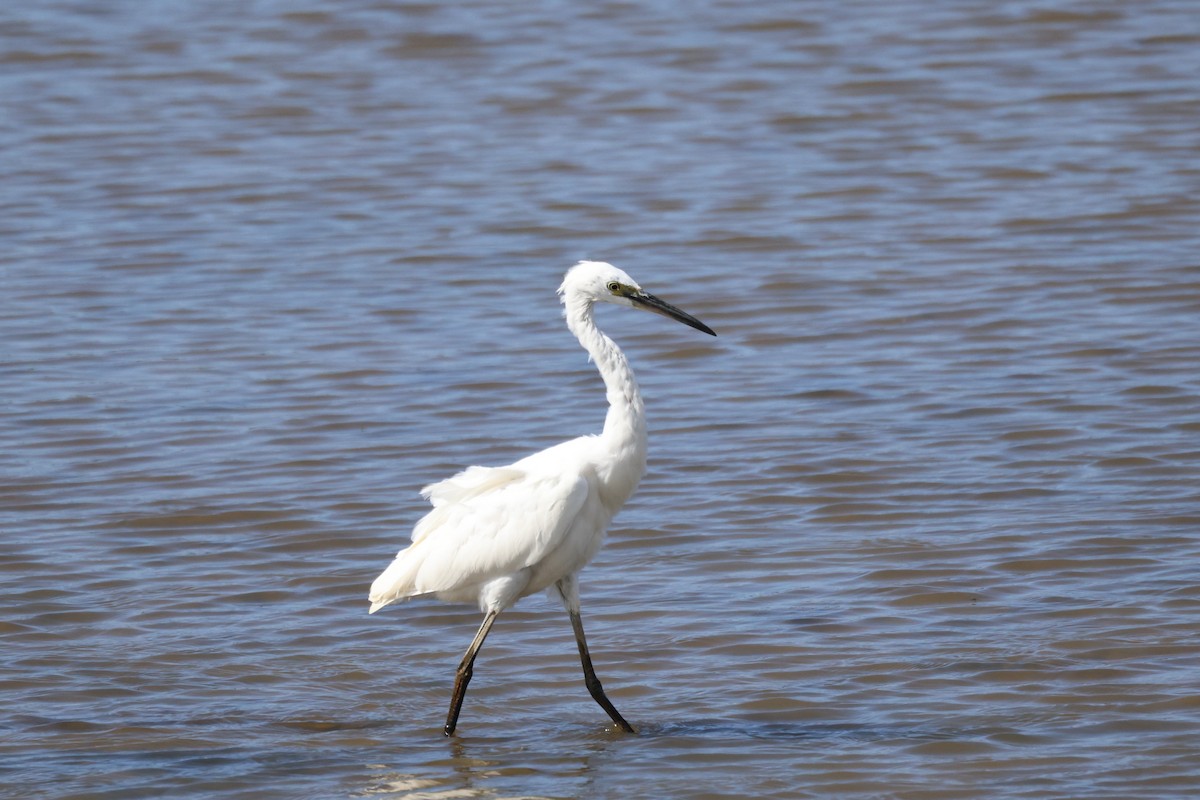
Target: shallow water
x,y
921,523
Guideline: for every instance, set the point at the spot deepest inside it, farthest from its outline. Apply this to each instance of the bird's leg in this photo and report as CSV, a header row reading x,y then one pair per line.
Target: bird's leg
x,y
463,676
589,674
568,590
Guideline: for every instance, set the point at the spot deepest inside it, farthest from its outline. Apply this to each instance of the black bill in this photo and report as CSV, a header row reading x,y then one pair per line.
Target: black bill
x,y
652,303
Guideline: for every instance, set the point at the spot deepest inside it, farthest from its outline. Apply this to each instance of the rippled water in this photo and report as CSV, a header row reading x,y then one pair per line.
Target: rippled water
x,y
922,523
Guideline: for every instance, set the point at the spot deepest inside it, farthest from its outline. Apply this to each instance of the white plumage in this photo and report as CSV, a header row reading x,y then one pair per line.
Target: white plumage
x,y
497,534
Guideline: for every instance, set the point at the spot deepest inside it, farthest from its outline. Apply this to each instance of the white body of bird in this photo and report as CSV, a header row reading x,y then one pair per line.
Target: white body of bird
x,y
497,534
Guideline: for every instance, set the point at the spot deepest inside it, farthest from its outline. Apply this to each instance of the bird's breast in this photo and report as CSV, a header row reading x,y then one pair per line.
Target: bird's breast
x,y
578,547
619,475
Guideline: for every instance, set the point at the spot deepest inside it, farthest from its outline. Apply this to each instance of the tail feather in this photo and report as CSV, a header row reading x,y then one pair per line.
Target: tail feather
x,y
396,582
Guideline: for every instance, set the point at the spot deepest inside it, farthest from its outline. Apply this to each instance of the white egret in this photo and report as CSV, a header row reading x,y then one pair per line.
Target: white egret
x,y
497,534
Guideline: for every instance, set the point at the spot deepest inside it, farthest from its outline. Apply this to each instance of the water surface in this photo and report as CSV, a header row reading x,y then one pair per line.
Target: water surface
x,y
921,523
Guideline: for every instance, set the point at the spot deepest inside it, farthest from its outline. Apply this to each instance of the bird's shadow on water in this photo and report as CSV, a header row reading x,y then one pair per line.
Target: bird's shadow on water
x,y
741,729
787,730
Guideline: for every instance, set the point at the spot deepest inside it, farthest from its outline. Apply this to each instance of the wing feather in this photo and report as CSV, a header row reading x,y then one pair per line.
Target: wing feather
x,y
503,525
462,489
485,523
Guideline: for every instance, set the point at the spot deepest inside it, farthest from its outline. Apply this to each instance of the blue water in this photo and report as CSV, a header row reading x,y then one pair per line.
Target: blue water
x,y
920,523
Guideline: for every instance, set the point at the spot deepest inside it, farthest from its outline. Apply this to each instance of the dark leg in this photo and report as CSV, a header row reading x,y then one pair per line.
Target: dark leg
x,y
463,676
589,675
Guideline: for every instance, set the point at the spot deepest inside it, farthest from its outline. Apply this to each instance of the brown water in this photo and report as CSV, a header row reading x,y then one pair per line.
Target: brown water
x,y
924,522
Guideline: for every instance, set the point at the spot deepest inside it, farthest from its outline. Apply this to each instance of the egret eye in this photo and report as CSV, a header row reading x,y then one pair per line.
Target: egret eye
x,y
614,287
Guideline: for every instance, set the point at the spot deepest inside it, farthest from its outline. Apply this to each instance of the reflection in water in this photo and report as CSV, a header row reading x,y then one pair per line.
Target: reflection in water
x,y
474,770
401,785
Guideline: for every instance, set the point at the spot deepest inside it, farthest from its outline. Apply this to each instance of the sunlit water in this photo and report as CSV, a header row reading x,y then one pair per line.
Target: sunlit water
x,y
921,523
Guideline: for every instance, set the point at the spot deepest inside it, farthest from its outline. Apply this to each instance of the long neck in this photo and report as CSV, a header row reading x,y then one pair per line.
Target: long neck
x,y
624,434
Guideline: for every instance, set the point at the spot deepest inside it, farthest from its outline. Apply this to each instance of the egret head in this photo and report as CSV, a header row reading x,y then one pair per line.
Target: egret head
x,y
600,282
